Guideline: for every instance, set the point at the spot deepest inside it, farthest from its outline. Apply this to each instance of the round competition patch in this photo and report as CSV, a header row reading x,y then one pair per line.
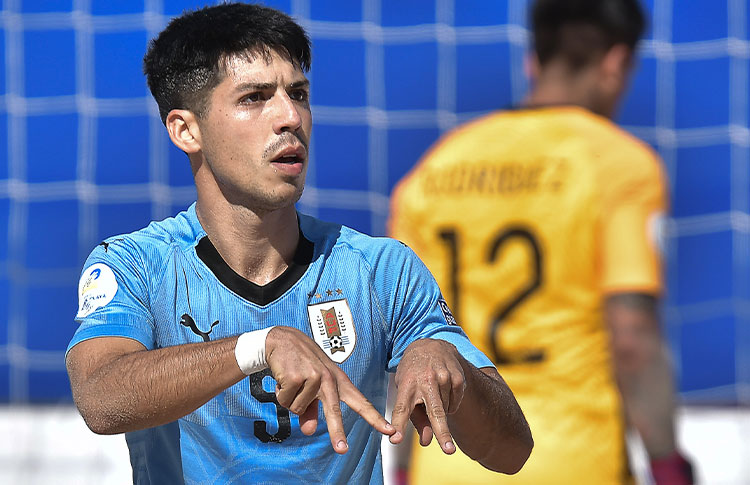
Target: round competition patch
x,y
96,288
657,229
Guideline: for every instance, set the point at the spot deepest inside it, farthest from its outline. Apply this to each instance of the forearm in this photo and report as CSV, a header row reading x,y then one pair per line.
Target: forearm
x,y
146,388
649,399
643,370
489,425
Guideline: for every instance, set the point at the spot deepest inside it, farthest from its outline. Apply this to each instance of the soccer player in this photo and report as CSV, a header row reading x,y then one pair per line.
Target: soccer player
x,y
224,340
541,224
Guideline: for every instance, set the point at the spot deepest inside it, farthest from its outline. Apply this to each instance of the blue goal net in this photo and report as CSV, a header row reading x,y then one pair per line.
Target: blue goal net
x,y
83,154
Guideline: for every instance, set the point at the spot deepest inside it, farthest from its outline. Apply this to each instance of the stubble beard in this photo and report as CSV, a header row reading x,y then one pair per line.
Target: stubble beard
x,y
263,198
272,200
280,197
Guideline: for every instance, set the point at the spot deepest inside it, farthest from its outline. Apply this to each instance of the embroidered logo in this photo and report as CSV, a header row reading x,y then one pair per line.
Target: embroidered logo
x,y
333,328
188,321
106,244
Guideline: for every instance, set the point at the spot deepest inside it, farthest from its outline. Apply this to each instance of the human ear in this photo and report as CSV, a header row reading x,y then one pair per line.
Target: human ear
x,y
183,130
531,67
615,66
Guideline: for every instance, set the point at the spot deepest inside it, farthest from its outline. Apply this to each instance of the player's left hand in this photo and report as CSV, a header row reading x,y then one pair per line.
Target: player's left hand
x,y
673,469
430,380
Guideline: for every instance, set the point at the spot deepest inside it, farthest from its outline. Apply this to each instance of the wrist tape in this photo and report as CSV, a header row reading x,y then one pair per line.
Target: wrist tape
x,y
250,351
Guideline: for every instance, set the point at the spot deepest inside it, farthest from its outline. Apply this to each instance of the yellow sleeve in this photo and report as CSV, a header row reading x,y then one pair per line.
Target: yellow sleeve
x,y
633,210
398,215
401,215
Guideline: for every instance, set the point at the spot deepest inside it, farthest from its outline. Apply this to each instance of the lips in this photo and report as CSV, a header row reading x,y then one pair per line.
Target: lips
x,y
290,160
290,155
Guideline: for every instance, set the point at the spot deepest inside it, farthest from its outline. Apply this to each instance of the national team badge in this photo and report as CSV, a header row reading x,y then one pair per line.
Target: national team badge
x,y
333,328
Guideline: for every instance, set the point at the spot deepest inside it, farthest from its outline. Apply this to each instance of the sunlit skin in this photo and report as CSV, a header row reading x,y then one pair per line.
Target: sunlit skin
x,y
248,153
248,150
257,114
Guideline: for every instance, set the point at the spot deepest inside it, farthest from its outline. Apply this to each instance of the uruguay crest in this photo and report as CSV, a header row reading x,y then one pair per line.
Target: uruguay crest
x,y
333,328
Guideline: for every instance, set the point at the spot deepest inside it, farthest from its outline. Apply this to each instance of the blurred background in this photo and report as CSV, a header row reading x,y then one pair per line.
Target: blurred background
x,y
83,156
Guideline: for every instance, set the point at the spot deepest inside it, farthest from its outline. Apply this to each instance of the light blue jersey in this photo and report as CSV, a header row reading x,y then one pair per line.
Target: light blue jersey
x,y
362,299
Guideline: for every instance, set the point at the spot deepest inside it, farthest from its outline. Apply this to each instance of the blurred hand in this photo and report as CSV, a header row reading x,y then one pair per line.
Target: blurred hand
x,y
672,470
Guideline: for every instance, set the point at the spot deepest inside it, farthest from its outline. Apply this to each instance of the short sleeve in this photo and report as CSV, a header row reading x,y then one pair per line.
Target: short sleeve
x,y
113,296
411,217
404,212
419,311
633,212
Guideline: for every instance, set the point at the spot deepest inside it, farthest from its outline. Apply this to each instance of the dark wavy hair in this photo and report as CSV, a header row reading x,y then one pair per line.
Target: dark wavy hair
x,y
187,60
579,32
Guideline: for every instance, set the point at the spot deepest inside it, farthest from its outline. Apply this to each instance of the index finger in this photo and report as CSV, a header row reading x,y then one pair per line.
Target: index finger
x,y
362,406
341,389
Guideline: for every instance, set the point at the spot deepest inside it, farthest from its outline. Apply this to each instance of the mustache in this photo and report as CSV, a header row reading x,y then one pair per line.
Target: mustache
x,y
285,139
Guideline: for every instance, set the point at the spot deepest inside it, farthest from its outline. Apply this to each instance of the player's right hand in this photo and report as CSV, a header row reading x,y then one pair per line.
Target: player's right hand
x,y
305,375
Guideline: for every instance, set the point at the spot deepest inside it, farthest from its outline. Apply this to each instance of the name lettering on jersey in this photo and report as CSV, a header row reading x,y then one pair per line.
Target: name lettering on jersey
x,y
96,288
333,327
508,179
188,321
449,318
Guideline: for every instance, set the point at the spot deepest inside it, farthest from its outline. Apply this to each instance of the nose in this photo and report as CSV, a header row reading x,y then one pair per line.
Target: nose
x,y
287,116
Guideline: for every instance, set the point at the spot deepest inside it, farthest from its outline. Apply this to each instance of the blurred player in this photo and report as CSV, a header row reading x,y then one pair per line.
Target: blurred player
x,y
541,224
223,341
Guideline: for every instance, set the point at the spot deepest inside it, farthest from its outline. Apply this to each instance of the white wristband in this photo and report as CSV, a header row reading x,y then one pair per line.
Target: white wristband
x,y
250,351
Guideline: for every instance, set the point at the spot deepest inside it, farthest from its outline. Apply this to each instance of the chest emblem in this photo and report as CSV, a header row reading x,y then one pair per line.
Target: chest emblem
x,y
333,328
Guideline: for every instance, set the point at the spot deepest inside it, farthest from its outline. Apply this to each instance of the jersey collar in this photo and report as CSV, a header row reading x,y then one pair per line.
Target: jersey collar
x,y
260,295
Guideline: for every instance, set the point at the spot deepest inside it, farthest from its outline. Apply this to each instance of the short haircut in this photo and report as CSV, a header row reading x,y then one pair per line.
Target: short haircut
x,y
579,32
187,60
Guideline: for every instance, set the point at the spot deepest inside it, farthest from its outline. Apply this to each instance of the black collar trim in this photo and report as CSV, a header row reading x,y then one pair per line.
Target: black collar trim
x,y
260,295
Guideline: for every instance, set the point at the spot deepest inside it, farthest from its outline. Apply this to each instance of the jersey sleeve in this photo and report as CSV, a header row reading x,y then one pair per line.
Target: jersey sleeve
x,y
419,311
404,215
113,296
633,211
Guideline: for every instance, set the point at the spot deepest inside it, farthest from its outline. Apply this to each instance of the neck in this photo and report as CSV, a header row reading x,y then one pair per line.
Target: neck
x,y
556,85
257,246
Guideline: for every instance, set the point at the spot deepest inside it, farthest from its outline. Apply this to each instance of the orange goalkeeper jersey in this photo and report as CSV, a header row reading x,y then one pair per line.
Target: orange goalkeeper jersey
x,y
528,219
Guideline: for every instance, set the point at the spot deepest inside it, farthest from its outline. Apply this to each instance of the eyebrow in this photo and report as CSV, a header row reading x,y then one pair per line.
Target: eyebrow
x,y
253,86
299,84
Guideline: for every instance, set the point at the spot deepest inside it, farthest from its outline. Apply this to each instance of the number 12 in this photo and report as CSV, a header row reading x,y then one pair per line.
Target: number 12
x,y
450,238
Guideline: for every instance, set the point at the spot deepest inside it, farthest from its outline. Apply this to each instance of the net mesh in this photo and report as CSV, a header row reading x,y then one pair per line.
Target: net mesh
x,y
85,156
